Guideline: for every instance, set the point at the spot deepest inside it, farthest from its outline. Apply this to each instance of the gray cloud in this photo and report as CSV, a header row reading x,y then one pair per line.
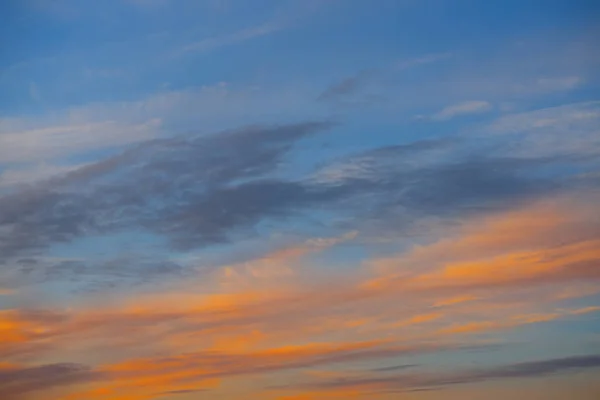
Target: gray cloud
x,y
428,381
537,368
140,183
228,364
17,382
130,269
346,87
354,85
394,368
197,191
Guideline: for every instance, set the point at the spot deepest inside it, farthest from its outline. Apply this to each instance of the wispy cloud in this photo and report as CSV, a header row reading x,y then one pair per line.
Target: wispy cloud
x,y
559,83
97,126
231,39
46,144
411,382
34,92
353,85
18,381
346,87
423,60
11,178
464,108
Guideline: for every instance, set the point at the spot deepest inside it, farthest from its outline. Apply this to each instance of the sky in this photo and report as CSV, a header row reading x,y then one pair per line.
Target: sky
x,y
299,199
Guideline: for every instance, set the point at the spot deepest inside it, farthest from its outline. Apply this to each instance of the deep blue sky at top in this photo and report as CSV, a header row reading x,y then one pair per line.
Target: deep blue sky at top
x,y
67,47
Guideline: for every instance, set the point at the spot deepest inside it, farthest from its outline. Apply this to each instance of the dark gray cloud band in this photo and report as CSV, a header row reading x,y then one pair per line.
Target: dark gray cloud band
x,y
199,191
427,381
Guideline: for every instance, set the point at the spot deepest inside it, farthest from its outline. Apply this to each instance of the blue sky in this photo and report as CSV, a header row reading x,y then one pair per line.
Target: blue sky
x,y
239,163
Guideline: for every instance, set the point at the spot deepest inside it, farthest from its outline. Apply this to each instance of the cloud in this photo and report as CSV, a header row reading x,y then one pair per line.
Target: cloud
x,y
194,191
222,363
346,87
82,130
278,264
274,323
464,108
537,368
456,274
389,263
541,133
574,262
34,92
512,322
15,382
353,85
559,83
394,368
225,332
12,178
580,115
410,382
178,392
231,39
538,68
542,242
198,168
49,143
284,19
423,60
220,186
212,189
207,368
142,266
129,269
369,165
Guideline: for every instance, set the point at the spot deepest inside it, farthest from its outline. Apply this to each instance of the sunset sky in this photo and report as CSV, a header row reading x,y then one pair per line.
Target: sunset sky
x,y
299,199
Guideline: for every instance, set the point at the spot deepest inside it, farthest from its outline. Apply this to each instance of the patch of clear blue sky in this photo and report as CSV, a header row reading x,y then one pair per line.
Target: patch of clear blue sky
x,y
83,51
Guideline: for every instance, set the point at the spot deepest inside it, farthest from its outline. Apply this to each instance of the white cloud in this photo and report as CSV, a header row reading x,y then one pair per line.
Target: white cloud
x,y
34,92
368,166
423,60
55,141
241,36
518,73
571,129
339,173
556,117
104,125
467,107
559,83
32,174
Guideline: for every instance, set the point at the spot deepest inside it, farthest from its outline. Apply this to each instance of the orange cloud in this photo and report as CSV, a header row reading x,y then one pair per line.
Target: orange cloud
x,y
420,319
513,321
202,337
564,263
454,300
338,394
278,264
543,242
143,378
